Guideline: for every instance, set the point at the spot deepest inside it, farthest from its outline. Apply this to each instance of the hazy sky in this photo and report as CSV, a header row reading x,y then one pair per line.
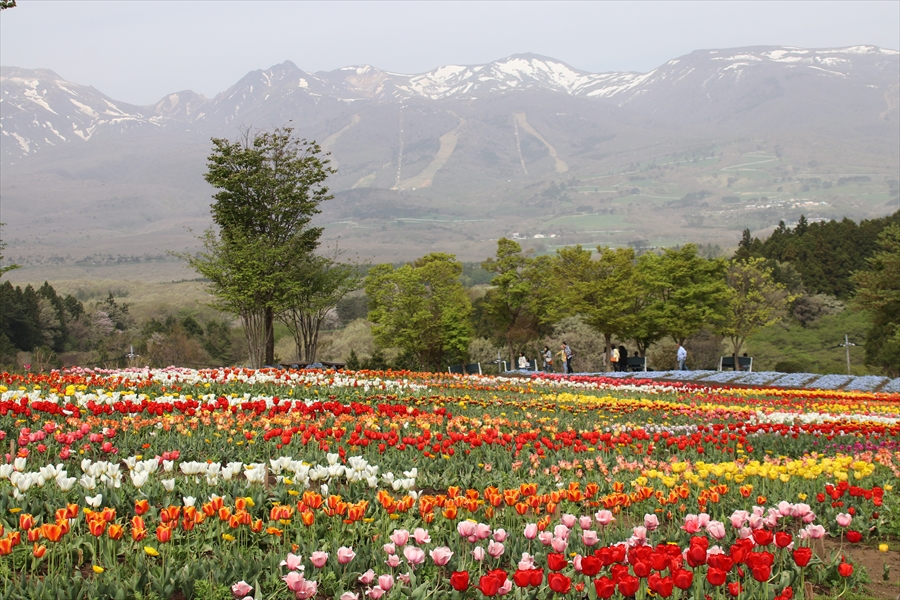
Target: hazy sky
x,y
138,51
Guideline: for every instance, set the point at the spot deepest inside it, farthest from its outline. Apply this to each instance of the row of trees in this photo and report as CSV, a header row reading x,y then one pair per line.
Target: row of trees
x,y
423,310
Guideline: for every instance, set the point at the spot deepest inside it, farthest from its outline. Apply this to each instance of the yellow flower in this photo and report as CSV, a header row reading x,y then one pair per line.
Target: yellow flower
x,y
228,537
98,569
15,510
151,550
801,496
882,547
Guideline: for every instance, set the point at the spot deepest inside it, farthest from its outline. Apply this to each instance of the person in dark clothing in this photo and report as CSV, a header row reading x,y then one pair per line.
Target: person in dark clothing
x,y
622,365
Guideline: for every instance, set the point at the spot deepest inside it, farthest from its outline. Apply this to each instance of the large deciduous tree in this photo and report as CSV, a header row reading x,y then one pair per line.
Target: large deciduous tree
x,y
601,291
421,308
756,300
269,186
688,292
508,304
878,292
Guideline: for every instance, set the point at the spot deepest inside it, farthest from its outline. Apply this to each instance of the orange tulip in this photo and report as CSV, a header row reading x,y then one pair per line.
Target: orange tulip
x,y
64,526
169,514
141,506
163,534
115,531
450,511
256,526
5,546
26,521
52,532
138,530
224,513
234,521
307,517
71,511
34,534
96,526
39,550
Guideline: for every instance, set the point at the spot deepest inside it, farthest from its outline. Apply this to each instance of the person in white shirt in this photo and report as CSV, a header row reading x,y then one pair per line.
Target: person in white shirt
x,y
681,356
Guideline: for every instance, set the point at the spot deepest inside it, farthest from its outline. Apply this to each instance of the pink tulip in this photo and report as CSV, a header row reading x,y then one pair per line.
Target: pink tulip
x,y
651,522
531,531
639,533
559,544
478,553
345,555
800,510
241,588
561,531
585,522
568,520
495,549
421,536
441,555
400,537
404,578
576,563
389,548
785,508
500,535
393,561
375,593
318,559
813,532
843,519
308,590
527,562
808,517
738,518
745,533
349,596
465,528
506,587
367,577
604,517
716,529
294,580
691,524
386,582
292,562
589,537
545,537
414,555
482,531
755,521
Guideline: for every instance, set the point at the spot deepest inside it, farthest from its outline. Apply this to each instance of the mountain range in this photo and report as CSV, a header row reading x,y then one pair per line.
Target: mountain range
x,y
695,150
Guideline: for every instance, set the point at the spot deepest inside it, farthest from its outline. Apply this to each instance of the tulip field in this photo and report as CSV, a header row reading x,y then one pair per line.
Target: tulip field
x,y
272,484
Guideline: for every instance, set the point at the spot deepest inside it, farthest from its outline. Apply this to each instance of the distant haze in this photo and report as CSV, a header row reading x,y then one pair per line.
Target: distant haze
x,y
140,51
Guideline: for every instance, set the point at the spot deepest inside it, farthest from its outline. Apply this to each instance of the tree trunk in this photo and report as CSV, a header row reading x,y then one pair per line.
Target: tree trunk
x,y
270,336
608,339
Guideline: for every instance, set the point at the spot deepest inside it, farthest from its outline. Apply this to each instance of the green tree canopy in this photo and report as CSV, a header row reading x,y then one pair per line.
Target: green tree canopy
x,y
269,186
688,292
756,300
421,308
878,292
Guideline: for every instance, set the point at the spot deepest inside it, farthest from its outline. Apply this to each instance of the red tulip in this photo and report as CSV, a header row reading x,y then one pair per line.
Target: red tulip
x,y
783,539
604,587
763,537
716,576
683,578
696,555
734,588
802,556
556,562
536,577
590,565
661,585
489,585
559,583
845,569
522,578
459,580
628,585
761,572
853,536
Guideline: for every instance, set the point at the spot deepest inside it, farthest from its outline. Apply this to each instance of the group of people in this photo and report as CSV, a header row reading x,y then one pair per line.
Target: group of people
x,y
618,358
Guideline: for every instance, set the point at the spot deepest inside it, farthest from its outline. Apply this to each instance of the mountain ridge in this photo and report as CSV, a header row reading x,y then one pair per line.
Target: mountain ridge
x,y
696,149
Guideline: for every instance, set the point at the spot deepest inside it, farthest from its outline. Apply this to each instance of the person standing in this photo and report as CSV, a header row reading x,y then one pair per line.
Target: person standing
x,y
614,358
568,356
548,359
623,359
523,362
681,355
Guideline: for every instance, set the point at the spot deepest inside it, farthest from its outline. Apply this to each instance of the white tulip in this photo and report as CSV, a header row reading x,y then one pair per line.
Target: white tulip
x,y
94,501
19,463
168,484
87,482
